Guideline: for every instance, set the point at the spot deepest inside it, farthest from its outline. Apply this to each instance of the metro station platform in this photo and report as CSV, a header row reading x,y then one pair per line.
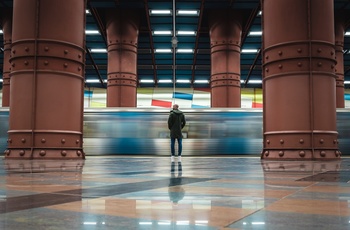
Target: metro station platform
x,y
129,192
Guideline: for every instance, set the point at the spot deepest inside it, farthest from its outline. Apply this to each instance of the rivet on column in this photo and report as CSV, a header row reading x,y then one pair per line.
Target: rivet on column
x,y
78,152
302,153
281,153
46,48
42,153
23,140
64,153
65,51
319,64
63,141
299,50
299,64
65,65
281,141
268,141
323,153
22,152
46,62
301,141
321,141
266,153
43,140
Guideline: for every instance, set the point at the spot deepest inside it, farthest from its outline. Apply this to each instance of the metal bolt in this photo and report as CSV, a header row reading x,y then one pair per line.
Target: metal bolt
x,y
266,153
64,153
281,153
21,153
42,153
46,48
321,141
43,140
63,141
281,141
301,141
323,153
302,153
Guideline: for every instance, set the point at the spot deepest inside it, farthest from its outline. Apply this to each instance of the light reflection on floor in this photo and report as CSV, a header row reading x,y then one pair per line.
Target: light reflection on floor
x,y
153,193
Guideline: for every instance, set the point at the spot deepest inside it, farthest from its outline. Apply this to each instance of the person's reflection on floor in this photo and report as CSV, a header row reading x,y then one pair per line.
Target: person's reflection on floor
x,y
176,192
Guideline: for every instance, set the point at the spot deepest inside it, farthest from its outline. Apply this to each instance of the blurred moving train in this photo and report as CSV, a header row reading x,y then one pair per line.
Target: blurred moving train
x,y
212,131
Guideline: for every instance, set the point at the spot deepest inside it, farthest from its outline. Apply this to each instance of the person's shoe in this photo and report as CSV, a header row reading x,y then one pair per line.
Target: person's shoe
x,y
172,158
179,159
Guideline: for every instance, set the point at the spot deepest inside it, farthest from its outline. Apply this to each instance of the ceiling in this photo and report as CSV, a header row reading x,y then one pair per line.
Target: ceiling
x,y
194,66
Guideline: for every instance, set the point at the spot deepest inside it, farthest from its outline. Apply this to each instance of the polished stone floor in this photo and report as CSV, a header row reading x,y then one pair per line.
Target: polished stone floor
x,y
153,193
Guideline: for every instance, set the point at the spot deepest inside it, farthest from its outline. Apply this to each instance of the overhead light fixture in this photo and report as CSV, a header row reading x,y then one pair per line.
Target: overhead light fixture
x,y
249,51
160,12
347,33
184,50
260,13
187,12
182,32
162,32
254,81
92,32
346,82
201,81
146,81
163,50
183,81
165,81
92,80
255,33
87,11
1,32
98,50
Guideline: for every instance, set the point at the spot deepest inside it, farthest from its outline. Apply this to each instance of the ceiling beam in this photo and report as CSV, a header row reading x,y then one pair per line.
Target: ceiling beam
x,y
251,68
200,18
95,67
249,23
100,24
155,78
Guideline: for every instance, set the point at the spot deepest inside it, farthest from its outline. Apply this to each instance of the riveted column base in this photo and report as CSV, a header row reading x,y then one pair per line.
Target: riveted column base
x,y
44,154
286,154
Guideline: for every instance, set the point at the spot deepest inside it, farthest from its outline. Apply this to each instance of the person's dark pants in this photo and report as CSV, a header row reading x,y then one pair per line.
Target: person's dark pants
x,y
179,141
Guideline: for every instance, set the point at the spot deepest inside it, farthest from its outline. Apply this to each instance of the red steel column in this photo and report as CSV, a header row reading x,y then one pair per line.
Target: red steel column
x,y
339,68
47,80
122,36
225,41
7,30
299,80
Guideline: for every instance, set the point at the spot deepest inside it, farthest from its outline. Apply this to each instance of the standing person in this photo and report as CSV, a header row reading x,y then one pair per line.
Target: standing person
x,y
176,122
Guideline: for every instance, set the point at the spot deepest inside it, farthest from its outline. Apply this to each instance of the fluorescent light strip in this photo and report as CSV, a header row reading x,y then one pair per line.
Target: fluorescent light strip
x,y
184,50
162,32
1,32
98,50
182,81
347,82
160,12
255,33
249,51
87,11
201,81
347,33
187,12
163,50
92,81
182,32
165,81
146,81
92,32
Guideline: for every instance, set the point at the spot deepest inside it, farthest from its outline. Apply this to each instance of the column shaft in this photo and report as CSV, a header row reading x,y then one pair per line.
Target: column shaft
x,y
47,80
299,80
122,36
339,68
7,34
225,41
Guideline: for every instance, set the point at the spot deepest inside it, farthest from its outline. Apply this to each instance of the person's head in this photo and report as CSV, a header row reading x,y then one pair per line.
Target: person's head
x,y
175,106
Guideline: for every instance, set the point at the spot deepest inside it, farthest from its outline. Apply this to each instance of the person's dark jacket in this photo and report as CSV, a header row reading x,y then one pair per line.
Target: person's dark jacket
x,y
176,122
